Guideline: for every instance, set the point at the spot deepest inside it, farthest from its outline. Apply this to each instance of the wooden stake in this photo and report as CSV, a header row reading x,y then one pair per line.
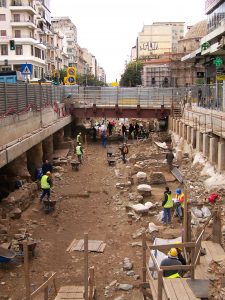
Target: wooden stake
x,y
185,217
46,289
86,266
216,230
91,282
26,269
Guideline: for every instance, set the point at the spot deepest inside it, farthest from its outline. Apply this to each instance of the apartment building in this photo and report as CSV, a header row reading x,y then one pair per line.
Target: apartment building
x,y
20,43
158,38
211,52
66,26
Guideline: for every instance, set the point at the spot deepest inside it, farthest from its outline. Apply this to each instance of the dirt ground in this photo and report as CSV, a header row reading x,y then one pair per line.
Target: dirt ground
x,y
86,204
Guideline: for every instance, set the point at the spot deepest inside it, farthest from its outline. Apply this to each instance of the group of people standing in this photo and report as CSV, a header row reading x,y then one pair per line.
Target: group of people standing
x,y
168,203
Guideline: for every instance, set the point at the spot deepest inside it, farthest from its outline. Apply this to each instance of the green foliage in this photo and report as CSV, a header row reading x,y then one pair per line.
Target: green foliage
x,y
89,80
132,74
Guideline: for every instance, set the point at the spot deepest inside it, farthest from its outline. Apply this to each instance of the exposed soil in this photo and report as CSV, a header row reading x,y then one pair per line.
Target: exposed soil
x,y
99,215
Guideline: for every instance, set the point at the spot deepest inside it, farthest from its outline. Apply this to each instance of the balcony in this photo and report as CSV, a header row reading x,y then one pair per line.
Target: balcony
x,y
40,5
21,6
23,22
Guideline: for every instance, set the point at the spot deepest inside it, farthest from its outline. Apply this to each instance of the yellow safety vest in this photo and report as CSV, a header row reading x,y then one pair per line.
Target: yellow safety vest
x,y
78,150
78,138
169,202
176,275
44,182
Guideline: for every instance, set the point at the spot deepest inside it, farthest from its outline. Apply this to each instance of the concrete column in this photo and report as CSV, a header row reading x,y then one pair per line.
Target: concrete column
x,y
58,138
177,126
199,141
184,133
180,129
188,134
193,137
221,156
68,129
213,150
48,148
34,159
205,145
174,125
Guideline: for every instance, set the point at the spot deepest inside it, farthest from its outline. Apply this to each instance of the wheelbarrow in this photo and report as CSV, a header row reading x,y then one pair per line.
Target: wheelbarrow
x,y
75,165
111,161
31,247
49,205
6,255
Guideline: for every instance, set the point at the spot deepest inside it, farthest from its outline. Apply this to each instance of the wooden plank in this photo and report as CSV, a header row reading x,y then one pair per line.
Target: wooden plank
x,y
215,249
170,288
188,289
71,296
102,248
72,244
178,288
79,246
71,289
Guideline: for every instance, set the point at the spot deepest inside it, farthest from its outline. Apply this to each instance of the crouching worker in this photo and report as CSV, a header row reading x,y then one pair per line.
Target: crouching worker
x,y
171,260
46,184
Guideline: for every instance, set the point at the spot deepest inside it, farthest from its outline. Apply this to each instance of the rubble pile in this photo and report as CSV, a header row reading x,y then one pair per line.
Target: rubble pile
x,y
216,272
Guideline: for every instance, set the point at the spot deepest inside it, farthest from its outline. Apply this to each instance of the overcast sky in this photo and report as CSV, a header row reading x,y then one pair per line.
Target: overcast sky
x,y
108,29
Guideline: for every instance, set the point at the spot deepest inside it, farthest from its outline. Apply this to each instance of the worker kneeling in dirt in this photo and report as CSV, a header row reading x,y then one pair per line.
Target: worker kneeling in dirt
x,y
171,260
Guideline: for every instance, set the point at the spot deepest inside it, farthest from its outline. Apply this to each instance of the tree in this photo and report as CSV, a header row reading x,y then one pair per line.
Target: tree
x,y
132,74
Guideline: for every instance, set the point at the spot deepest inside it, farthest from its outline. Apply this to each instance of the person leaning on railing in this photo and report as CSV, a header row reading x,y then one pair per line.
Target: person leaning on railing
x,y
171,260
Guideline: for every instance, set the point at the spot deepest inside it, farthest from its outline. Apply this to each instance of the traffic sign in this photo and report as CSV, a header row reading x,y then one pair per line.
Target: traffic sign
x,y
218,61
71,79
220,77
26,69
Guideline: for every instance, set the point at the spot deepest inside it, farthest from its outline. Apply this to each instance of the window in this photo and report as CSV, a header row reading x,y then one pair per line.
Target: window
x,y
2,3
32,50
17,33
4,49
2,32
19,50
2,17
16,18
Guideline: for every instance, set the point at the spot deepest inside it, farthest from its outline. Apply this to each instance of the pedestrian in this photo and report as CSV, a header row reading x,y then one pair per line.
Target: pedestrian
x,y
79,138
46,167
179,203
110,128
79,152
169,159
131,130
124,130
46,184
136,129
94,134
171,260
124,151
167,205
199,97
103,138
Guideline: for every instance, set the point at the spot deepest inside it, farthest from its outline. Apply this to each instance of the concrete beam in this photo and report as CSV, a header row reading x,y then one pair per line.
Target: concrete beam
x,y
213,150
28,142
221,156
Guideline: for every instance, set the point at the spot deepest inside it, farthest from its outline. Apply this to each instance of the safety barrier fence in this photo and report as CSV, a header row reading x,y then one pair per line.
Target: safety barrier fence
x,y
20,97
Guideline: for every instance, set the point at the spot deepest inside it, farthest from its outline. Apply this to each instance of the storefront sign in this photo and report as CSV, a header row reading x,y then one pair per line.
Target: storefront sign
x,y
210,4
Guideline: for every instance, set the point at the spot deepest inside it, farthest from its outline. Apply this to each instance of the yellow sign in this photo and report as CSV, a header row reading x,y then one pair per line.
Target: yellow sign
x,y
220,77
114,84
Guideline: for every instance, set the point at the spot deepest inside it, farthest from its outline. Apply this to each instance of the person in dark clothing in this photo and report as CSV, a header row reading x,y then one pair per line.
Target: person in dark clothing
x,y
131,129
169,159
124,151
136,129
124,130
167,205
171,260
180,255
46,167
94,133
46,184
110,128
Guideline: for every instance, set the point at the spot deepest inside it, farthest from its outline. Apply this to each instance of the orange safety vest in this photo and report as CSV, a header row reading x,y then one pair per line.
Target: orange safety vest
x,y
180,198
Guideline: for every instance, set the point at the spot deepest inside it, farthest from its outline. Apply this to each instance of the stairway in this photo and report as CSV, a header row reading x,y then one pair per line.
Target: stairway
x,y
177,112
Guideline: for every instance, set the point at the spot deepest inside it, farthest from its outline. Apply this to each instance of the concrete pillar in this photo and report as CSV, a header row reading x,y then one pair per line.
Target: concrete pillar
x,y
193,137
184,133
177,126
188,134
174,125
34,159
199,141
48,148
58,138
213,150
68,129
221,156
180,129
206,145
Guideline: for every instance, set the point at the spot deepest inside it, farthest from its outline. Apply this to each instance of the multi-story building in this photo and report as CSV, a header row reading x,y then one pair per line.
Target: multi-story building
x,y
158,38
66,26
20,41
211,53
101,74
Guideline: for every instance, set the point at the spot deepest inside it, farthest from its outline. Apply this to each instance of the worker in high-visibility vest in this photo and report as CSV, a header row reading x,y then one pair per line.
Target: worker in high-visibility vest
x,y
171,260
179,203
46,184
79,152
79,138
167,205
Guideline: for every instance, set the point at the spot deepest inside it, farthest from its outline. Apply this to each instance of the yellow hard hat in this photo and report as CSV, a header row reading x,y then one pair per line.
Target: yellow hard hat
x,y
180,248
173,252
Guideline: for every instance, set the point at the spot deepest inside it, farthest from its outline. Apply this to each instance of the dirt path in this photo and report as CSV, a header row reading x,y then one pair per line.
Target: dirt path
x,y
87,204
